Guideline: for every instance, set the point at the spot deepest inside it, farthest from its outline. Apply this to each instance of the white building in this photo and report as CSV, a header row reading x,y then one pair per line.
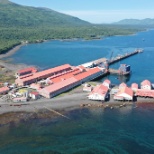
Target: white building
x,y
99,93
34,95
87,88
146,84
19,99
114,90
107,83
88,65
134,87
122,85
124,93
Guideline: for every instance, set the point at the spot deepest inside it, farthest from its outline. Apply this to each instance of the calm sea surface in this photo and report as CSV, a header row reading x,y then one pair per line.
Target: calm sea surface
x,y
94,131
54,53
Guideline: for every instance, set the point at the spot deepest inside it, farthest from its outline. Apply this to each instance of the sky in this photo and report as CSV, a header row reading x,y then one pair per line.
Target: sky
x,y
98,11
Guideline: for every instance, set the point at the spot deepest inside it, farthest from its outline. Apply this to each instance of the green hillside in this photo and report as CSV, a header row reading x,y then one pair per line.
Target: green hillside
x,y
22,23
16,15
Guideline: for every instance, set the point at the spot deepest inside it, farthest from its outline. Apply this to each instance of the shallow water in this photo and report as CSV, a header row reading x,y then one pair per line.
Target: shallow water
x,y
94,131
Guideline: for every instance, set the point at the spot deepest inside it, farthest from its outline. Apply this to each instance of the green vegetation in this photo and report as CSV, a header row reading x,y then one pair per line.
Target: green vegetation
x,y
21,23
6,78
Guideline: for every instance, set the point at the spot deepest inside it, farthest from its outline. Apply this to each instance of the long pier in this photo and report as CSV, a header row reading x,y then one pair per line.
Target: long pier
x,y
116,59
98,62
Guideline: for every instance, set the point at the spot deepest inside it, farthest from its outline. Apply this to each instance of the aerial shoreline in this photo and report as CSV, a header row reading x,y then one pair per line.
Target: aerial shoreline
x,y
61,105
17,47
74,99
12,51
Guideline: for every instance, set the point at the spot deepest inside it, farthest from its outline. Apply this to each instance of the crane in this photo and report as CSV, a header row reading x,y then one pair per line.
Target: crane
x,y
110,56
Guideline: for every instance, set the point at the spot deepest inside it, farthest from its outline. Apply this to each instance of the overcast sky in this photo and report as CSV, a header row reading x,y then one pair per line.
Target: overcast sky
x,y
98,11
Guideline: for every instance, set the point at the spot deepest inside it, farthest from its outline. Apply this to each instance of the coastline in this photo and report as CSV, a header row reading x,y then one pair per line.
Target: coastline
x,y
12,51
17,47
60,106
72,100
7,64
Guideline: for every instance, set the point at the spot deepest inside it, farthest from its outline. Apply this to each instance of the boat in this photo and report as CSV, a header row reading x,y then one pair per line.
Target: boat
x,y
124,69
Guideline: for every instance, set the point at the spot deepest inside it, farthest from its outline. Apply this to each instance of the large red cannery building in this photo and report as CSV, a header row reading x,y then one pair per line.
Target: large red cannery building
x,y
53,72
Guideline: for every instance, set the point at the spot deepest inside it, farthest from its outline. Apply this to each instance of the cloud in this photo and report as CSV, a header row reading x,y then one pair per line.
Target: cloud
x,y
108,16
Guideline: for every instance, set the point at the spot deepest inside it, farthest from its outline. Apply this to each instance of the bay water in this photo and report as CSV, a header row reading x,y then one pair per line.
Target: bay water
x,y
88,131
54,53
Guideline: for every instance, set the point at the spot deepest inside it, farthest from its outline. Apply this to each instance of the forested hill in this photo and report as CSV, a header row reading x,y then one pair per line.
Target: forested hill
x,y
30,24
12,14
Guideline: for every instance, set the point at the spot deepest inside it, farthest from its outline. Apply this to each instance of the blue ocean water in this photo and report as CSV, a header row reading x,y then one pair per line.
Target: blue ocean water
x,y
94,131
54,53
89,131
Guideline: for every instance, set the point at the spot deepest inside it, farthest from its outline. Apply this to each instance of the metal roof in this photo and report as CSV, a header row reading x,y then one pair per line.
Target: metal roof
x,y
46,72
32,69
146,82
59,85
4,89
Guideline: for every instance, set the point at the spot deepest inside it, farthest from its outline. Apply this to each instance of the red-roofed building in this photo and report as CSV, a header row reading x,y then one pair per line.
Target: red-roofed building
x,y
58,88
25,76
66,76
34,95
124,93
52,73
82,68
89,75
122,85
107,83
36,86
87,87
4,90
134,87
146,84
99,93
19,99
26,71
68,81
145,93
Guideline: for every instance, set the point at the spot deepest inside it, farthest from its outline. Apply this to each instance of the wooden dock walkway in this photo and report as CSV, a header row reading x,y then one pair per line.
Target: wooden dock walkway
x,y
113,71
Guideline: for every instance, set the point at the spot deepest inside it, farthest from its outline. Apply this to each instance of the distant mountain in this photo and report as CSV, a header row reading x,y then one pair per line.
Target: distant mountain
x,y
144,22
12,14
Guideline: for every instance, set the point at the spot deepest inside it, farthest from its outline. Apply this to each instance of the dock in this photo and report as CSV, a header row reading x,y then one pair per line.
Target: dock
x,y
116,59
113,71
107,62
